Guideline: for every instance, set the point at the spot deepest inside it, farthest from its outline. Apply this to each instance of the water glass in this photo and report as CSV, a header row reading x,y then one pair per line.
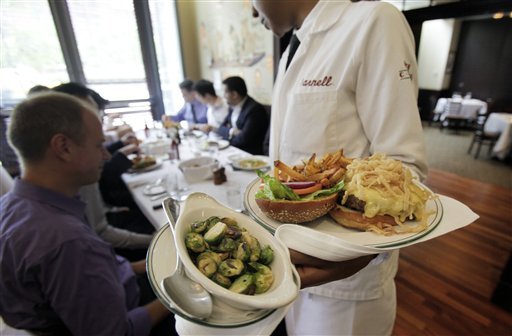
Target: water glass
x,y
234,198
176,184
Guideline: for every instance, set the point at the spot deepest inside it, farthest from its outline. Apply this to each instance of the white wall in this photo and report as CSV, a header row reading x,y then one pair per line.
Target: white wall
x,y
438,43
233,43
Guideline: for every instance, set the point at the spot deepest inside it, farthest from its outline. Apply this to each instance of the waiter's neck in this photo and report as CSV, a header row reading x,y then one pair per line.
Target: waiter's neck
x,y
303,8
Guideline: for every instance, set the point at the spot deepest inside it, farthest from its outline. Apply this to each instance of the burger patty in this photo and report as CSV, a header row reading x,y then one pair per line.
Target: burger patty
x,y
354,203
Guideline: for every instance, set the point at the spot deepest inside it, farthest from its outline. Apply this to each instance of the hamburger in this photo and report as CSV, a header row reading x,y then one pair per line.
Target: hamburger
x,y
295,202
380,195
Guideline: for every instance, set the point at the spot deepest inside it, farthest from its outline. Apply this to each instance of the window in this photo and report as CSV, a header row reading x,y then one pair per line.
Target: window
x,y
30,52
105,45
168,50
109,48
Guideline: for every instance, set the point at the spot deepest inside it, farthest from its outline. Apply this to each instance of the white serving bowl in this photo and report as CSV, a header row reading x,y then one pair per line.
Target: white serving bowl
x,y
285,287
198,169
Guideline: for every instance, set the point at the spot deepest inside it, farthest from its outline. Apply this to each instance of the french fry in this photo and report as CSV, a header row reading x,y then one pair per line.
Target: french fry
x,y
337,176
328,170
289,171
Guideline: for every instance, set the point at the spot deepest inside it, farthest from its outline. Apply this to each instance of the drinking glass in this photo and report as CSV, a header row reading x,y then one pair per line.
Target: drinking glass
x,y
176,184
234,198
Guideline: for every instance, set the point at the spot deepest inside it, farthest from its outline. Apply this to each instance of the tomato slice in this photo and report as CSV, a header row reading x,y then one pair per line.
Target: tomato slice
x,y
305,191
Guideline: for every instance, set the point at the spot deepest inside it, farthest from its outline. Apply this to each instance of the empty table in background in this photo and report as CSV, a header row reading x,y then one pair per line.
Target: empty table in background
x,y
502,123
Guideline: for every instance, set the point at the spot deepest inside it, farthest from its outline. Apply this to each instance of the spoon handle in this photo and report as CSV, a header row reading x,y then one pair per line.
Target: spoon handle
x,y
172,210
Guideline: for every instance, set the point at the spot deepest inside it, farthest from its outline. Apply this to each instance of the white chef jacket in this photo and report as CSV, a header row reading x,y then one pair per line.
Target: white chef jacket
x,y
351,84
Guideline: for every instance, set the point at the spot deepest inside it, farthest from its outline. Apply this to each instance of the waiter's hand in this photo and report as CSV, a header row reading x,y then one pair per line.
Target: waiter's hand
x,y
315,272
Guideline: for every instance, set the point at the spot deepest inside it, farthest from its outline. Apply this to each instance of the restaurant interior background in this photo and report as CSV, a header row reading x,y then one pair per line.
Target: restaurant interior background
x,y
152,45
136,53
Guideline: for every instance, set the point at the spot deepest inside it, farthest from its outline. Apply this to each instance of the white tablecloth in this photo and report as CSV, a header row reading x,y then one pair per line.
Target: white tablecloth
x,y
500,123
469,107
236,179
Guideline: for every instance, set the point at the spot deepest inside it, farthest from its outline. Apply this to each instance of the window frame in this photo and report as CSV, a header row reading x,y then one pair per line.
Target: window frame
x,y
67,39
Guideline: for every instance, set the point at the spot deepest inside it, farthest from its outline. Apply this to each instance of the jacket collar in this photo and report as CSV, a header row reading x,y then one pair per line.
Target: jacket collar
x,y
323,16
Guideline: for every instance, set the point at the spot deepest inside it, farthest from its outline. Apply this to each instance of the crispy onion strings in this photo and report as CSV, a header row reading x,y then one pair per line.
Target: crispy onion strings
x,y
392,187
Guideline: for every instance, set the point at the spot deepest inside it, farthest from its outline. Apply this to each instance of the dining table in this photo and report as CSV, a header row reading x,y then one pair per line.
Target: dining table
x,y
470,107
150,205
500,123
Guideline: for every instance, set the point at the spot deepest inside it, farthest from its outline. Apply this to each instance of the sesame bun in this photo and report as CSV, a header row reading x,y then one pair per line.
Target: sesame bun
x,y
297,211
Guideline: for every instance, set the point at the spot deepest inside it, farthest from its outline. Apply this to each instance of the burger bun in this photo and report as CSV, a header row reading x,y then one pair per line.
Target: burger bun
x,y
357,220
297,211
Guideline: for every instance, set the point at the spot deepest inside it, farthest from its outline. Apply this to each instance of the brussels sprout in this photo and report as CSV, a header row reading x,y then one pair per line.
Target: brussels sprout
x,y
216,233
195,242
207,266
231,267
243,252
212,255
262,282
243,284
233,232
227,244
223,255
267,255
221,280
257,267
229,221
198,226
211,221
253,244
263,278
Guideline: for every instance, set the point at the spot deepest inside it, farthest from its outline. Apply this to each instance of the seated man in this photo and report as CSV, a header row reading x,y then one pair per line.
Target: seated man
x,y
58,277
194,112
217,109
247,121
127,243
112,187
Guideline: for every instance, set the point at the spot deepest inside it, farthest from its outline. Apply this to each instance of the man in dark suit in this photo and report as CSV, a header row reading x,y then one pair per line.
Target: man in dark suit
x,y
247,121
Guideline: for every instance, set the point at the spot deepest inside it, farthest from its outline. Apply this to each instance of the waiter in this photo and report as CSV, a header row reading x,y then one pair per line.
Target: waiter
x,y
351,83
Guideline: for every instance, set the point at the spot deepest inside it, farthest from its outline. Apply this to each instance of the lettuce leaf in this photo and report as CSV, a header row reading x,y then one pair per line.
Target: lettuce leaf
x,y
273,189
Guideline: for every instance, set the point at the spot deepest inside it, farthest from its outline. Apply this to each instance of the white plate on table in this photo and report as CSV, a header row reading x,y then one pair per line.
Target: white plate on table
x,y
222,144
152,190
253,162
161,261
156,165
327,225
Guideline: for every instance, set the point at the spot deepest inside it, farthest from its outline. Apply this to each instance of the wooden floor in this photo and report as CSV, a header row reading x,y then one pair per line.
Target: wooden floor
x,y
444,285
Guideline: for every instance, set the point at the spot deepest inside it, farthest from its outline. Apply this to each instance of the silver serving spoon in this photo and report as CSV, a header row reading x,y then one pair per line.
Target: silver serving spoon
x,y
189,296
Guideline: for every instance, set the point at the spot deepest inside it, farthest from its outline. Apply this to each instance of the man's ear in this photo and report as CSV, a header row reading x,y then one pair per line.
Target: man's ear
x,y
62,147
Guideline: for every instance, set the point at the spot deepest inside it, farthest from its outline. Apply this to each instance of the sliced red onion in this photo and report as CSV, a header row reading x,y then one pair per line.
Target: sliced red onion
x,y
299,185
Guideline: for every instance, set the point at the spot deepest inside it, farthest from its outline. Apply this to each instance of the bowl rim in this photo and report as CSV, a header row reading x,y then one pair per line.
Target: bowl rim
x,y
288,287
210,162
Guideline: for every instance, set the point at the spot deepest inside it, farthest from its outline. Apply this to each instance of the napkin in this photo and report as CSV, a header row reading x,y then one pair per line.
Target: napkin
x,y
325,246
263,327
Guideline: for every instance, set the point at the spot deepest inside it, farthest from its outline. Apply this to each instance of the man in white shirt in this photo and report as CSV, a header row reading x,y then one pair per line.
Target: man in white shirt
x,y
352,83
247,122
217,108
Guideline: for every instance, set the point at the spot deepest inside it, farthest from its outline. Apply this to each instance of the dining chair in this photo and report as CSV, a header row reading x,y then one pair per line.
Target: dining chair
x,y
451,117
481,137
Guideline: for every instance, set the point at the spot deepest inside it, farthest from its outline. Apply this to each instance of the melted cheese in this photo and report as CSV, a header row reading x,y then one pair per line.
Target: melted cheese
x,y
388,188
